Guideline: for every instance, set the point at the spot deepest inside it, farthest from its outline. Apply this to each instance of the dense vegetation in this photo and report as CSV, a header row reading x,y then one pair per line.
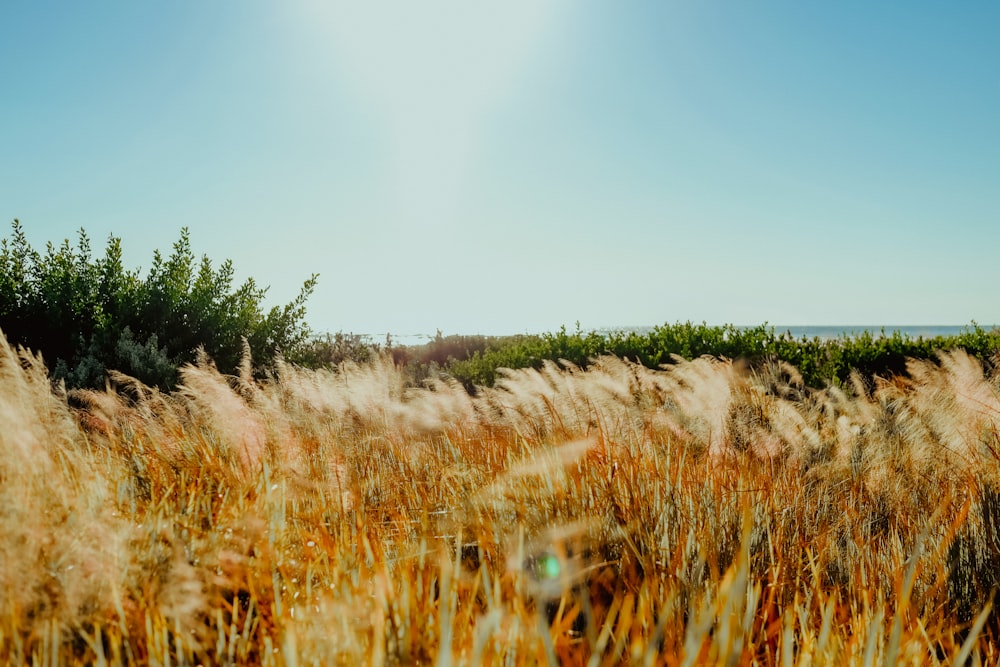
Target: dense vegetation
x,y
88,315
690,495
701,514
475,360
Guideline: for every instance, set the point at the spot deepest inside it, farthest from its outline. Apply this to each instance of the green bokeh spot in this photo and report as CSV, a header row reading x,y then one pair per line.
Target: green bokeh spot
x,y
550,566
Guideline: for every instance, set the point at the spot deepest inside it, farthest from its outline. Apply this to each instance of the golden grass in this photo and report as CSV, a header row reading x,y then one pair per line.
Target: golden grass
x,y
704,514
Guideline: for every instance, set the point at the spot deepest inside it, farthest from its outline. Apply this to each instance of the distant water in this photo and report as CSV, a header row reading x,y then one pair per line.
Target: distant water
x,y
826,332
926,331
836,331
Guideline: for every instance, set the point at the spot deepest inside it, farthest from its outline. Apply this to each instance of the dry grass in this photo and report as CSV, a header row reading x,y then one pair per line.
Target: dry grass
x,y
704,514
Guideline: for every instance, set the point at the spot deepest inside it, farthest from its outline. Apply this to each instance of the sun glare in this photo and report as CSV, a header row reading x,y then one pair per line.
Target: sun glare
x,y
429,74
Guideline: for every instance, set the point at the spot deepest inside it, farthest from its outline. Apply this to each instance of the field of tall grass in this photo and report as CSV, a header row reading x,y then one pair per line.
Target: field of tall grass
x,y
705,513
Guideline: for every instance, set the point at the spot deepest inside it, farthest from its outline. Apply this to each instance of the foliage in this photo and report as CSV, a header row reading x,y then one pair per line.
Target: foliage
x,y
442,350
819,361
87,315
332,350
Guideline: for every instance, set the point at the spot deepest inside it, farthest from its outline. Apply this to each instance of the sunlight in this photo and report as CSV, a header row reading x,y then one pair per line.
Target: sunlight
x,y
430,72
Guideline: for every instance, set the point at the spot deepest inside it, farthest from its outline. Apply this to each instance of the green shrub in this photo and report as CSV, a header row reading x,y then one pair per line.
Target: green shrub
x,y
87,315
331,350
820,362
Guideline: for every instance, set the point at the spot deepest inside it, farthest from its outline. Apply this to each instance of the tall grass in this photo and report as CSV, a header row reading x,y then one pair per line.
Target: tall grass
x,y
707,513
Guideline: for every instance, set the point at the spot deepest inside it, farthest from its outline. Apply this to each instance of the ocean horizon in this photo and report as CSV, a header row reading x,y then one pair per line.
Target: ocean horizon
x,y
797,331
830,331
919,331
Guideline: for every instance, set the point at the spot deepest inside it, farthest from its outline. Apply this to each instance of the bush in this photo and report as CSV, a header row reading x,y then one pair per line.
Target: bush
x,y
820,362
87,315
331,350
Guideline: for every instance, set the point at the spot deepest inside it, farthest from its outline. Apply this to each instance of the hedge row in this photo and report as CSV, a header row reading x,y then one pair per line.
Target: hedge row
x,y
820,361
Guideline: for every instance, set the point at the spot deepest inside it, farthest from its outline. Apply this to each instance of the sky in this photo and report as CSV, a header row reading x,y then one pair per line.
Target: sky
x,y
513,167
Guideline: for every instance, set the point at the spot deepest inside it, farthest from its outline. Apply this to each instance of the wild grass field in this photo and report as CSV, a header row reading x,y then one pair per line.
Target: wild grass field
x,y
704,513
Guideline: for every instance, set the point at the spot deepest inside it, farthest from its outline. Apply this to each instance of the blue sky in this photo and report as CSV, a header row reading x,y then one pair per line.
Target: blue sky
x,y
518,166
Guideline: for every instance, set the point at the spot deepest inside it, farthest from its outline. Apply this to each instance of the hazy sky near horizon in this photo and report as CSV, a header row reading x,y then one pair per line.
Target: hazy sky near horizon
x,y
510,167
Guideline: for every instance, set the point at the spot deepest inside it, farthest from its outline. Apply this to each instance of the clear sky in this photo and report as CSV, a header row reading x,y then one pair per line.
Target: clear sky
x,y
515,166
